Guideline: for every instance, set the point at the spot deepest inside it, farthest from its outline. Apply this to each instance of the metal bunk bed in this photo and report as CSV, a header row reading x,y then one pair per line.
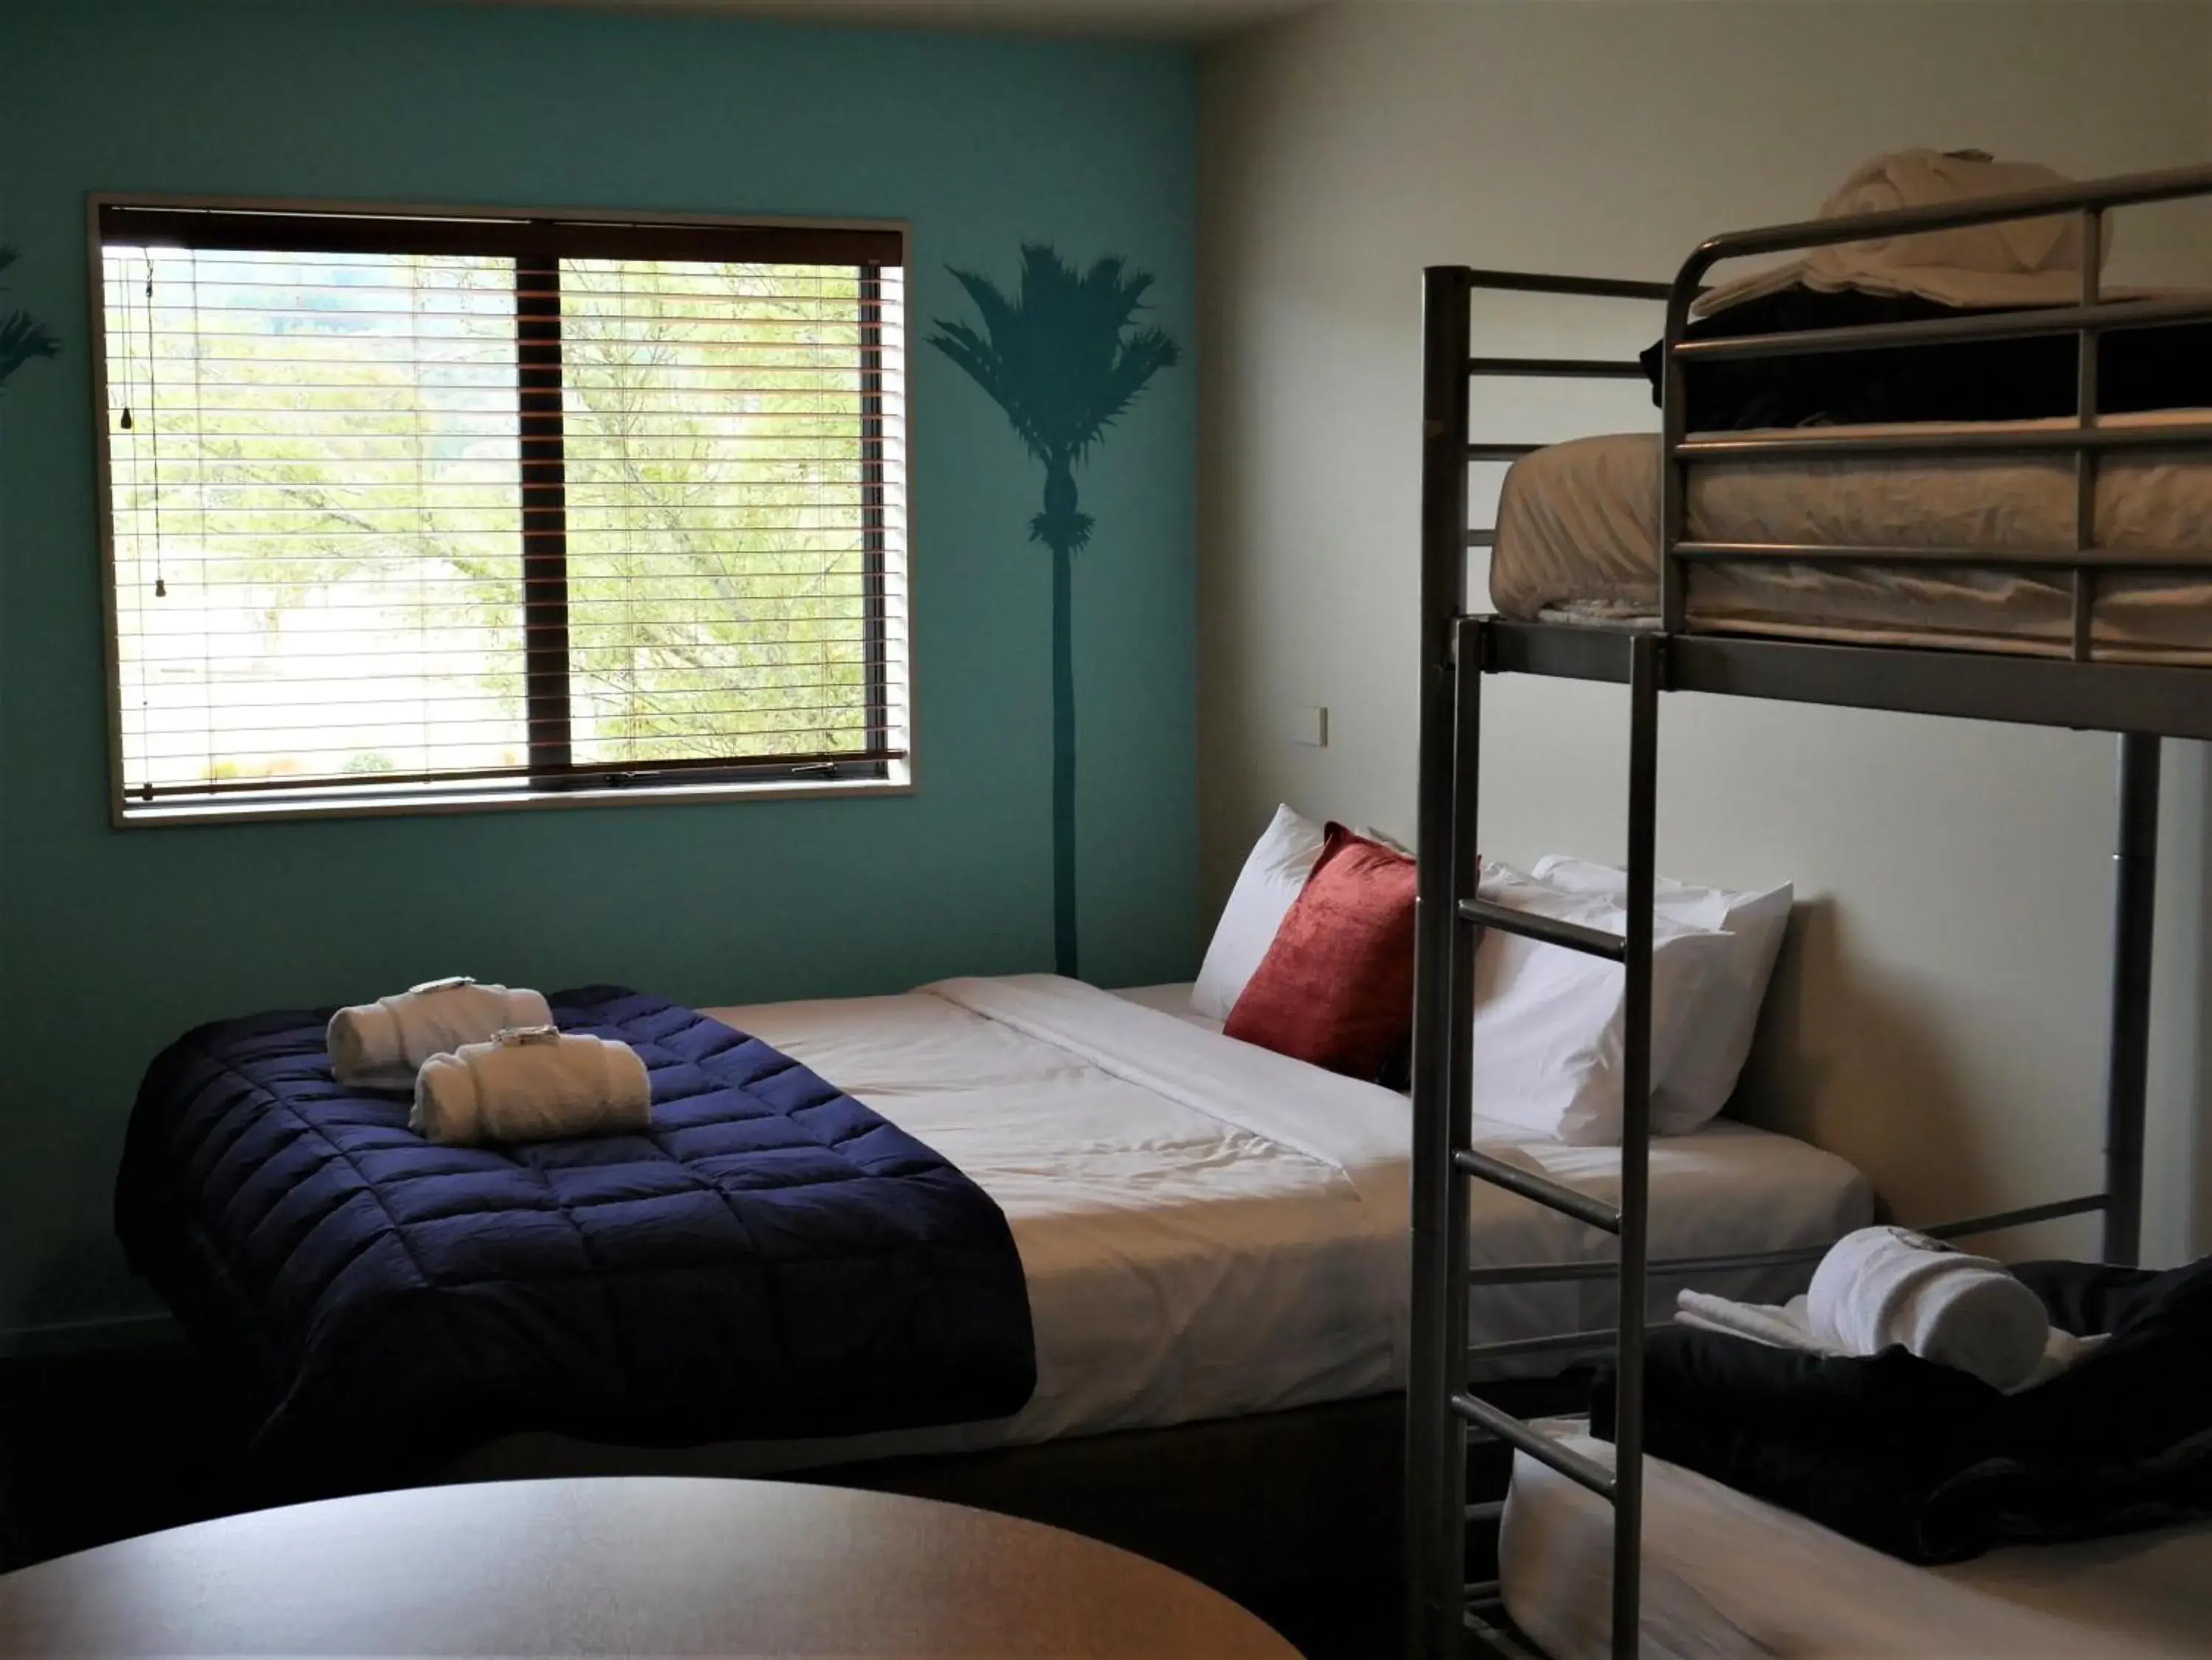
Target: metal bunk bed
x,y
2141,703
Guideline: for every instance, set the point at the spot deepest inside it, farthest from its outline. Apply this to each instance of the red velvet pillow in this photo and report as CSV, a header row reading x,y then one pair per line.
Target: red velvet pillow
x,y
1336,987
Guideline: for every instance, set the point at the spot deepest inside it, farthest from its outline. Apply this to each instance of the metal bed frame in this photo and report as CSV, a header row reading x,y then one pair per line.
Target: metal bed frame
x,y
2142,703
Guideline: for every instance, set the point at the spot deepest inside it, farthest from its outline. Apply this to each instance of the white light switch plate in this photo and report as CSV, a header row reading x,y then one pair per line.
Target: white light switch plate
x,y
1309,726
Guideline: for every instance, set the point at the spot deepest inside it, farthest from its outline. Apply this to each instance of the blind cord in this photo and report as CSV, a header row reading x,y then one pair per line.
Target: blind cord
x,y
198,348
417,272
129,423
153,414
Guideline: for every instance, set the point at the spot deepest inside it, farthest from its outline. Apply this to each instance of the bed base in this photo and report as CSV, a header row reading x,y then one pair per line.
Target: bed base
x,y
2139,702
1295,1513
1276,1510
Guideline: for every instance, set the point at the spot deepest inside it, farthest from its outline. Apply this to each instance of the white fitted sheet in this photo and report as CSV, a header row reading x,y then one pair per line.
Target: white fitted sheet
x,y
1209,1229
1174,999
1577,541
1727,1577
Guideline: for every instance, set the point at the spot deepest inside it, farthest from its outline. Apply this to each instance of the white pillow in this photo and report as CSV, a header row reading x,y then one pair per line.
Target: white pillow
x,y
1705,1068
1548,1022
1273,872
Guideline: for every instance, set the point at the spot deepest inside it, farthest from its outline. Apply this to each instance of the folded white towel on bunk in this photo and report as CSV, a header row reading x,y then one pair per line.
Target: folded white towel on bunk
x,y
1778,1325
531,1085
1882,1286
379,1046
2014,262
1786,1325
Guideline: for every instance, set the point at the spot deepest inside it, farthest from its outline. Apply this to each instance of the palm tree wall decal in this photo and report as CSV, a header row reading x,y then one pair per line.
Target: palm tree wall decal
x,y
22,337
1064,358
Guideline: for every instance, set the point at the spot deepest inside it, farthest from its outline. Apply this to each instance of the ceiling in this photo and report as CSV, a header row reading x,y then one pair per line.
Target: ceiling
x,y
1172,20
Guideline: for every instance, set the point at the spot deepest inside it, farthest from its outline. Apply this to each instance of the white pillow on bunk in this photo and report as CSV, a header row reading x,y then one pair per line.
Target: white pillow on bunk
x,y
1549,1023
1274,873
1705,1068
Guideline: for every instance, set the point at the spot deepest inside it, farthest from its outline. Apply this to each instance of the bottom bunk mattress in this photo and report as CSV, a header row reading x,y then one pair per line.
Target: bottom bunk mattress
x,y
1209,1230
768,1257
1727,1577
1577,541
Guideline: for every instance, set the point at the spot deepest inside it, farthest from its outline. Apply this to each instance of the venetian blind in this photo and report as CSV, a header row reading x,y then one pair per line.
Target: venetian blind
x,y
406,506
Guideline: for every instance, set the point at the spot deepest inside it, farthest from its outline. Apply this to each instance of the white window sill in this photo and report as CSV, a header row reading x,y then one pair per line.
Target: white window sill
x,y
234,809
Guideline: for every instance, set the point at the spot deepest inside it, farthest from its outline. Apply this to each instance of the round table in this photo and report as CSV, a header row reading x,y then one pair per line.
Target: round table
x,y
625,1566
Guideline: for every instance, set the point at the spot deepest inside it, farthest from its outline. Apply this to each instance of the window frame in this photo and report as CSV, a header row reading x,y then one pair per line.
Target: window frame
x,y
555,233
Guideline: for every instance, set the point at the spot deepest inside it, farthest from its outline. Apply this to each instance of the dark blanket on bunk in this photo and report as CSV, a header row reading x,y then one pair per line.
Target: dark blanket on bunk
x,y
770,1260
2165,367
1932,1464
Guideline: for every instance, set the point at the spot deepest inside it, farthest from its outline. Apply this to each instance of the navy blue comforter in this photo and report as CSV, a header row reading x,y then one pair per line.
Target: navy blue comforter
x,y
771,1259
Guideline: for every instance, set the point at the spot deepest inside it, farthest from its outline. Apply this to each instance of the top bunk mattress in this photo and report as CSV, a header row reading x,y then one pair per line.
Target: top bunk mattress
x,y
1578,536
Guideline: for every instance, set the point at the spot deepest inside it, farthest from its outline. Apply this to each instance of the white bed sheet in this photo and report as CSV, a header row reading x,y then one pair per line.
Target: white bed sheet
x,y
1209,1229
1727,1577
1173,999
1577,541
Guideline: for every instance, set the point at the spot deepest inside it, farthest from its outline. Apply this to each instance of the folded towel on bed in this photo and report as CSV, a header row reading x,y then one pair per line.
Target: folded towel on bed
x,y
2014,262
1923,276
379,1045
1883,1287
1930,1462
1778,1325
1787,1325
532,1085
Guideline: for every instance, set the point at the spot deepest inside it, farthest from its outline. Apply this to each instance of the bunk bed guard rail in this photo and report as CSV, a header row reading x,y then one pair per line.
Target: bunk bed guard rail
x,y
2140,702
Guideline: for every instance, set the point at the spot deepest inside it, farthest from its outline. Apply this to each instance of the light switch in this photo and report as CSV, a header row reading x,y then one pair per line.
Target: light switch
x,y
1309,726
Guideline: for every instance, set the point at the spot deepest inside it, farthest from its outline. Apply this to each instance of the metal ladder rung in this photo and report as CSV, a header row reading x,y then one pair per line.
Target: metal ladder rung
x,y
1564,1343
1490,1510
1521,1274
1592,941
1500,452
1557,1195
1587,1472
1571,368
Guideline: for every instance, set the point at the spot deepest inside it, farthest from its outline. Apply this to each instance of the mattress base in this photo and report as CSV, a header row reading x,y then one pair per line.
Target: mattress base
x,y
1727,1577
1253,1506
1703,620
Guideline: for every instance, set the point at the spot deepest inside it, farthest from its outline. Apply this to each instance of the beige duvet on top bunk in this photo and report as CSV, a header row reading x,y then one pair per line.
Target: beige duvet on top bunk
x,y
1577,542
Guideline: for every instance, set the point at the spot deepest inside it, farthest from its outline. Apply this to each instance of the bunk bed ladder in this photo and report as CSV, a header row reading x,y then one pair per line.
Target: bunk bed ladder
x,y
1625,1220
1445,1408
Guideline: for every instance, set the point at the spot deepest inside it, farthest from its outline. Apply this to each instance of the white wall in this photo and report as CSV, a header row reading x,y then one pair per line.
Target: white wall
x,y
1939,1016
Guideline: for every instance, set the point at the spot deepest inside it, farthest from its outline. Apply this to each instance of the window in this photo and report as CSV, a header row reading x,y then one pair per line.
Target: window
x,y
411,510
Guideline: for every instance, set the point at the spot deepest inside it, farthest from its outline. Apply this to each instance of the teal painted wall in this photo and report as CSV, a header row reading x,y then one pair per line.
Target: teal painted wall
x,y
113,941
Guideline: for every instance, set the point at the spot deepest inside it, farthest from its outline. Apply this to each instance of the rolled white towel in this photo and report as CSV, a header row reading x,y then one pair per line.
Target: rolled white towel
x,y
1786,1325
379,1046
532,1085
1778,1325
1882,1286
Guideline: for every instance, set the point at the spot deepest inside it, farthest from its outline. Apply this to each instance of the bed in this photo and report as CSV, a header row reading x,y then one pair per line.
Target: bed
x,y
989,1212
1577,541
1727,1577
1207,1244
